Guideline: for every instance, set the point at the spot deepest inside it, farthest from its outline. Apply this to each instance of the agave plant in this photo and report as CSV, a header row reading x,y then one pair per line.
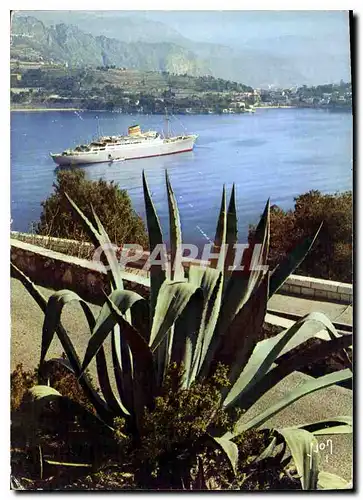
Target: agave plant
x,y
198,318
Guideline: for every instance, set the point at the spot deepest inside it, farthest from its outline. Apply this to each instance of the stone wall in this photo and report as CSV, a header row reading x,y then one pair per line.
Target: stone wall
x,y
82,249
58,271
43,259
319,289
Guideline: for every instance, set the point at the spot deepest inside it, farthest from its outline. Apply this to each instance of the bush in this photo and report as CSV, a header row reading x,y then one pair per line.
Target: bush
x,y
112,205
20,382
331,255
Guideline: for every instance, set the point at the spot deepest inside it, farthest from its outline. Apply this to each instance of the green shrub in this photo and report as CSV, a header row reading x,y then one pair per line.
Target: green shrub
x,y
110,202
20,382
331,257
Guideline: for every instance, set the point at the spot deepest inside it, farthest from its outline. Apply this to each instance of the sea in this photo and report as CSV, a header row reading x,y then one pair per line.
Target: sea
x,y
273,153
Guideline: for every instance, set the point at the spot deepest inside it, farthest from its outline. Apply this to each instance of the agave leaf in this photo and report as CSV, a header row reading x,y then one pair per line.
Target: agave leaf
x,y
307,388
123,369
106,323
288,265
136,342
63,362
112,402
242,283
100,240
53,313
301,444
41,395
237,344
29,285
98,403
157,274
66,464
185,337
334,425
210,281
115,271
211,318
308,330
231,233
330,481
267,452
229,448
220,236
124,300
115,404
308,355
339,429
262,236
256,378
52,317
140,318
162,356
175,232
142,361
172,299
39,392
87,224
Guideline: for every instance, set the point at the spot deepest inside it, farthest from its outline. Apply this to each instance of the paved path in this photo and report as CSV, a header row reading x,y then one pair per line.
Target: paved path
x,y
27,320
298,305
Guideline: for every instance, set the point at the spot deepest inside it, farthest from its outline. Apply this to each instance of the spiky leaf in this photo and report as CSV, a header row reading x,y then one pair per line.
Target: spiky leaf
x,y
308,387
334,425
175,231
230,450
100,239
157,274
256,378
288,265
173,298
302,444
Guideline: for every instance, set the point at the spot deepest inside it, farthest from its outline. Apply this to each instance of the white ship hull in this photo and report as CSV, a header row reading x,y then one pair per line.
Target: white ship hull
x,y
132,151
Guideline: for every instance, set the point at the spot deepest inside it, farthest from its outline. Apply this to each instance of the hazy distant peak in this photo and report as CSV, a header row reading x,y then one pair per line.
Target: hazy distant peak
x,y
254,48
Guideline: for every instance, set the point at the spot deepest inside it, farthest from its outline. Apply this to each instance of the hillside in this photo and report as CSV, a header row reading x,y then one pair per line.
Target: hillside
x,y
119,25
63,43
143,45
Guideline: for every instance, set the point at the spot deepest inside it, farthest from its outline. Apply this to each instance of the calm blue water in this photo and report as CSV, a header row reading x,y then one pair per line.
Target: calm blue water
x,y
273,153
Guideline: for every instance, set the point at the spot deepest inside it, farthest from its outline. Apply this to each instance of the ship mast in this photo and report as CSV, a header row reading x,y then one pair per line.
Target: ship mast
x,y
167,123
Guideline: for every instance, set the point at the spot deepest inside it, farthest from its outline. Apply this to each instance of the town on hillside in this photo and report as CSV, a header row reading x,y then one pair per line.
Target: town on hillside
x,y
53,85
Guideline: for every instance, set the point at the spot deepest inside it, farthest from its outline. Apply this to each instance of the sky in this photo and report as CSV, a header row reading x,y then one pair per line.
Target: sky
x,y
237,27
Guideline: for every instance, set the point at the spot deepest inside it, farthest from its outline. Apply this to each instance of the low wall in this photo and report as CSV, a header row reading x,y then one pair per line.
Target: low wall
x,y
81,249
319,289
58,271
56,248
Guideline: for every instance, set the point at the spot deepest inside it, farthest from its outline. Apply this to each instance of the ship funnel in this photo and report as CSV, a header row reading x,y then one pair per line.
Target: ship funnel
x,y
134,130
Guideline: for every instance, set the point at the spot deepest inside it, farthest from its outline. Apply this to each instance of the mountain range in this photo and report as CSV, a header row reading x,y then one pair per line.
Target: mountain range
x,y
102,38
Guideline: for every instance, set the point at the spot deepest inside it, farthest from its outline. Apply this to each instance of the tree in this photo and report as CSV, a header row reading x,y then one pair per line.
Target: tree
x,y
331,255
111,204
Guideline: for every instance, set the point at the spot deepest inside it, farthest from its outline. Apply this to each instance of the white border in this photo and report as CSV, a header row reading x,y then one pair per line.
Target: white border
x,y
5,154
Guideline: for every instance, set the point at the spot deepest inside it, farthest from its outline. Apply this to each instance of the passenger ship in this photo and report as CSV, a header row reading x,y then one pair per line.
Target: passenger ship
x,y
136,144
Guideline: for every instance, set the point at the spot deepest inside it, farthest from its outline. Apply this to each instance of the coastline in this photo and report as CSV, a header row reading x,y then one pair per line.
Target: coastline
x,y
33,110
45,109
275,107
